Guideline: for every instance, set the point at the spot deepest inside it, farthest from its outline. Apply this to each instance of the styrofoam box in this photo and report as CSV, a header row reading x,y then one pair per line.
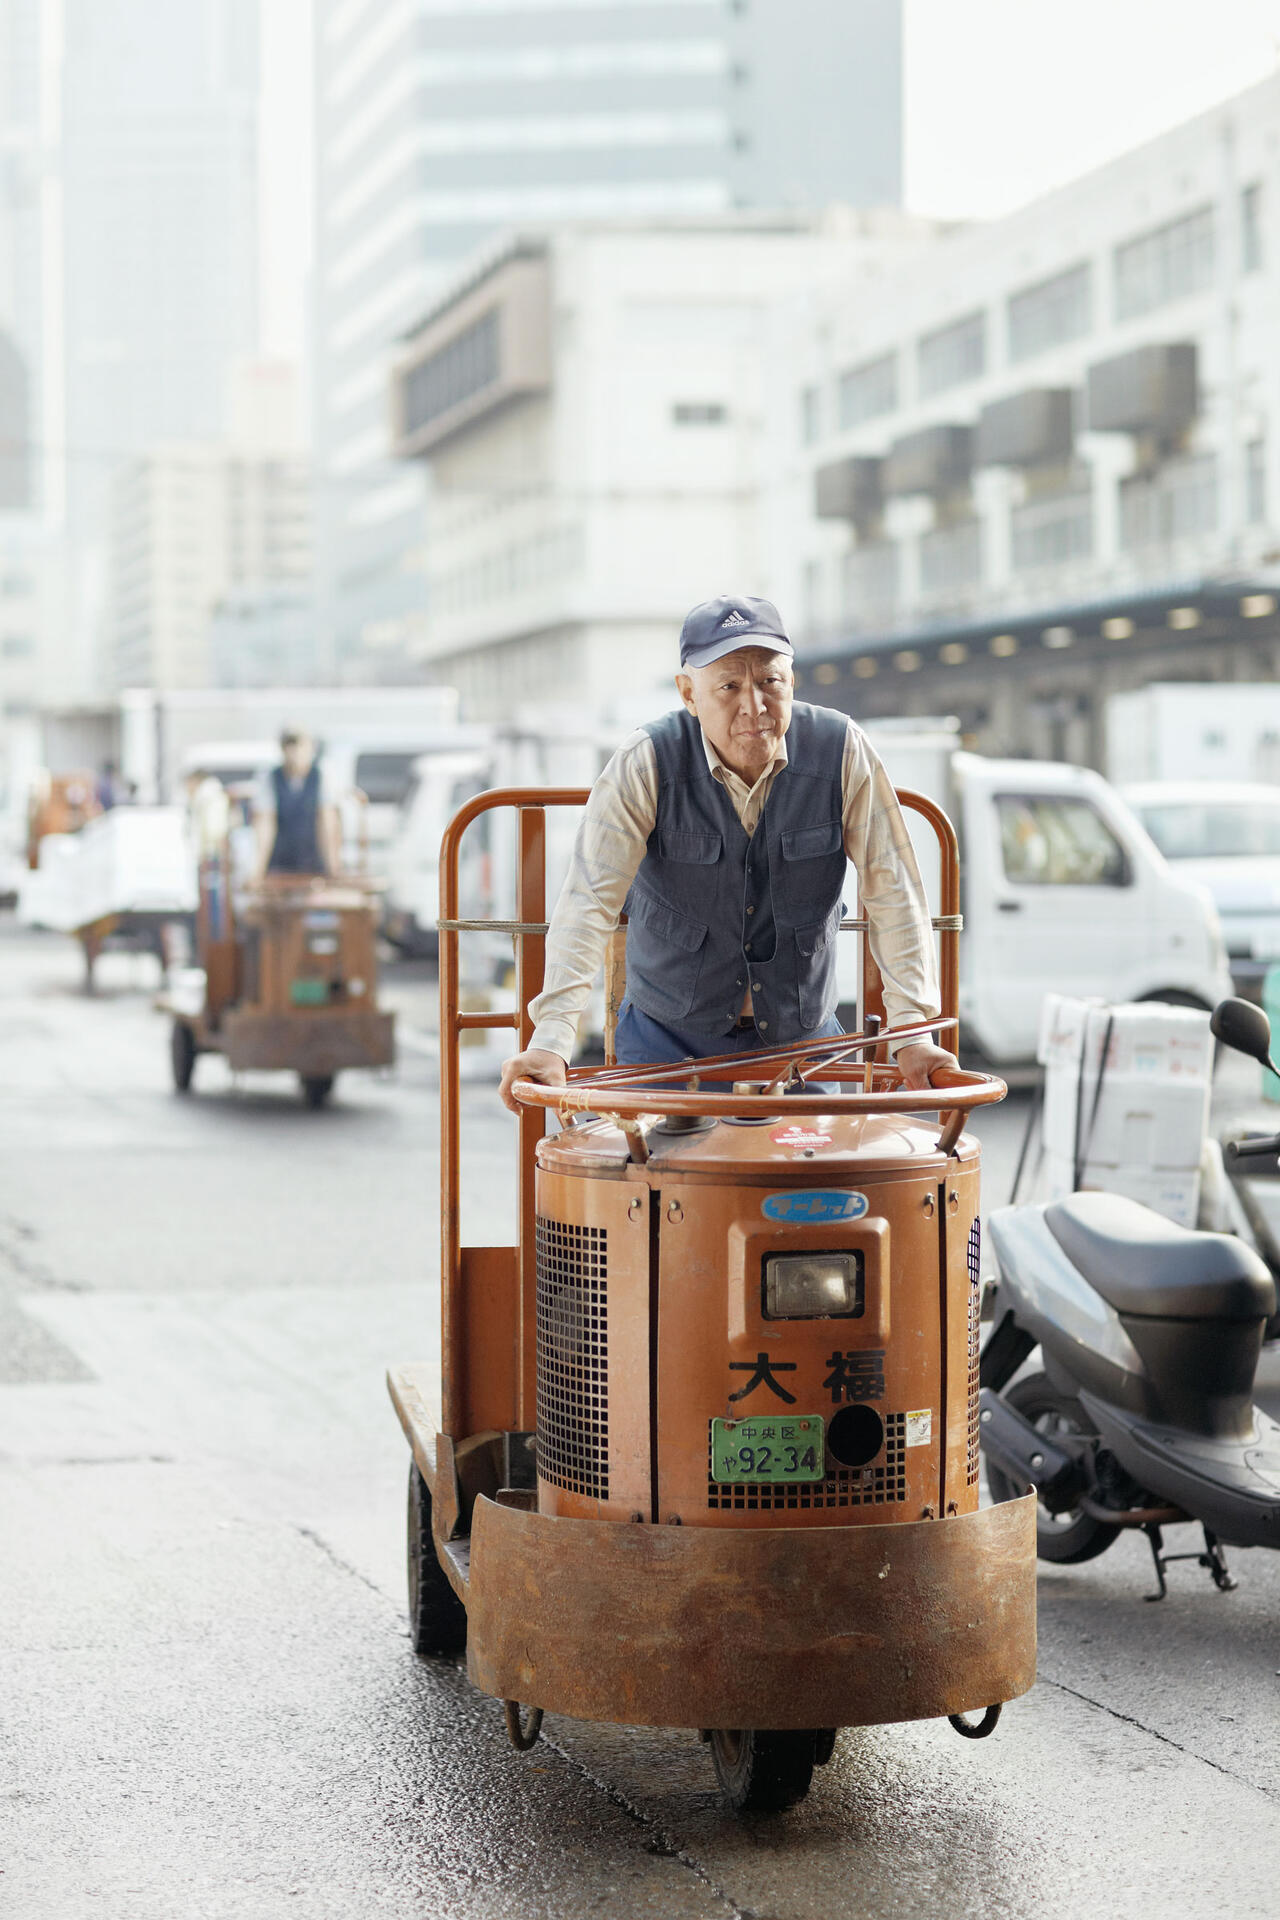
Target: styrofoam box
x,y
1147,1037
1172,1192
1139,1121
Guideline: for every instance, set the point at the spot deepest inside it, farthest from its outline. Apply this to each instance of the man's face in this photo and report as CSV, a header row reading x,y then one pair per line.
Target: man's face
x,y
297,756
743,704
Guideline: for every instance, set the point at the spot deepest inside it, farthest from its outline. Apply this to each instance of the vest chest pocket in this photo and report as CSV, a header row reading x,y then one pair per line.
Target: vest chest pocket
x,y
687,845
811,843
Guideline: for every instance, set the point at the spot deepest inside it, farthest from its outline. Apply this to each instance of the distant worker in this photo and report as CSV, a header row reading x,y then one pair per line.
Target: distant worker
x,y
299,827
724,829
109,789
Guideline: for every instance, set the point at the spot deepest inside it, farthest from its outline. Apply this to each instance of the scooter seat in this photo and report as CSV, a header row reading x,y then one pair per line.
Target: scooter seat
x,y
1146,1266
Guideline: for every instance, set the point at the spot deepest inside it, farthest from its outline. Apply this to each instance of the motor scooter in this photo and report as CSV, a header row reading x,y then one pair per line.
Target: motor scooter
x,y
1149,1333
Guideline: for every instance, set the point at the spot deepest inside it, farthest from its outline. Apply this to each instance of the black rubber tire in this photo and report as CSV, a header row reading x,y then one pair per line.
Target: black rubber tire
x,y
437,1618
1077,1537
316,1089
761,1772
182,1054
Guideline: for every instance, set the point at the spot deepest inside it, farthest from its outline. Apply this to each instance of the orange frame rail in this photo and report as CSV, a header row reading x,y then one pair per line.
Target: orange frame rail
x,y
529,932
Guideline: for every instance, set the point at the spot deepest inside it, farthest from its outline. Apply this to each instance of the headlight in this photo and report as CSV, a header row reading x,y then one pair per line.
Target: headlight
x,y
813,1286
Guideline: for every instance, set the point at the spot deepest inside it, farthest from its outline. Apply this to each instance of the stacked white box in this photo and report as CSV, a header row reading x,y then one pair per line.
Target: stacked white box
x,y
1141,1131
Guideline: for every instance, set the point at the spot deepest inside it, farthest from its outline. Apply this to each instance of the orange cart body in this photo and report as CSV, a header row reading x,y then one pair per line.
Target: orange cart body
x,y
584,1451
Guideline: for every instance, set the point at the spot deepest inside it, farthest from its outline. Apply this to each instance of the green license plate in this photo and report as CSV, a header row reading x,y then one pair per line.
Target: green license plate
x,y
309,993
768,1447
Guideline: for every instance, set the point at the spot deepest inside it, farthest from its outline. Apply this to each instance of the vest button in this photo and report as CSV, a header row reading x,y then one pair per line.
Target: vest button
x,y
750,909
755,986
763,1025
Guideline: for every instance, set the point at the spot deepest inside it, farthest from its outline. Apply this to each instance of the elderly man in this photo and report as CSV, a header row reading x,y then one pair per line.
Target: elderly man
x,y
724,830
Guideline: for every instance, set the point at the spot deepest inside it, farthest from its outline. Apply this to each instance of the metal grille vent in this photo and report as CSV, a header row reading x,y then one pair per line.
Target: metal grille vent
x,y
881,1484
975,1334
573,1358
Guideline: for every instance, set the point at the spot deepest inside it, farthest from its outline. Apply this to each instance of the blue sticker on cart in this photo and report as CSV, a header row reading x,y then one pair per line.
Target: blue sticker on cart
x,y
815,1206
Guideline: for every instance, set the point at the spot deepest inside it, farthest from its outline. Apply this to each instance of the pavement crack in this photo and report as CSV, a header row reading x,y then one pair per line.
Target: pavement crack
x,y
660,1842
318,1540
1131,1720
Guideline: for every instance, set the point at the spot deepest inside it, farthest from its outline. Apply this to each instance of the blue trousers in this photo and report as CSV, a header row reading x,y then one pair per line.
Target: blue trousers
x,y
641,1041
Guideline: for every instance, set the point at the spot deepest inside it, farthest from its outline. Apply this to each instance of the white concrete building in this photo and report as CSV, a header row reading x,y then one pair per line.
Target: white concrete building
x,y
590,404
128,252
1041,437
193,522
441,123
32,672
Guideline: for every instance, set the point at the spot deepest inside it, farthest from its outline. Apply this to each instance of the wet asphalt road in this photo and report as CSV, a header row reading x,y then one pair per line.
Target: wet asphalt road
x,y
208,1704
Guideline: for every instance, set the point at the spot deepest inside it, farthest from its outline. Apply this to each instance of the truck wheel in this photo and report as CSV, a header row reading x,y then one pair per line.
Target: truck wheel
x,y
182,1053
316,1089
437,1618
762,1772
1069,1537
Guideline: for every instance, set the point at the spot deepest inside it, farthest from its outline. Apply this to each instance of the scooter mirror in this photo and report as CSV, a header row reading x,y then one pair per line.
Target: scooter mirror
x,y
1243,1027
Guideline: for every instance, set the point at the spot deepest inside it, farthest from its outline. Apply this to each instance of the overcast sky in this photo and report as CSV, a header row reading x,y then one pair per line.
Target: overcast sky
x,y
1004,100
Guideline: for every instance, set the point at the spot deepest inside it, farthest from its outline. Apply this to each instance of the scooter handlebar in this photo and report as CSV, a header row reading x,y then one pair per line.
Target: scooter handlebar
x,y
1264,1147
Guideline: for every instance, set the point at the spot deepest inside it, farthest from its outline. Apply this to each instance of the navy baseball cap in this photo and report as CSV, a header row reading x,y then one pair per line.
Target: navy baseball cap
x,y
731,620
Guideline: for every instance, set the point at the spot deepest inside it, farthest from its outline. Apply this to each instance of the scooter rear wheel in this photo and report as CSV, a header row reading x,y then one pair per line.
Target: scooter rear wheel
x,y
762,1772
1072,1536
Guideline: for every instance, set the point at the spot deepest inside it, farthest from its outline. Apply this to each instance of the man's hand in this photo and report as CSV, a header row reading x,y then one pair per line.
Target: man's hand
x,y
547,1068
920,1060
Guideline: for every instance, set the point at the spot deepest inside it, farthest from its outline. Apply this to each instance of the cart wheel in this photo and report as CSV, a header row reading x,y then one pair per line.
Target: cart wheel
x,y
182,1052
764,1772
437,1618
316,1089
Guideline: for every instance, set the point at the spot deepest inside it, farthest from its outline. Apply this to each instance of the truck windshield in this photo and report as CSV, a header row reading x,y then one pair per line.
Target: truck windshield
x,y
1214,829
385,778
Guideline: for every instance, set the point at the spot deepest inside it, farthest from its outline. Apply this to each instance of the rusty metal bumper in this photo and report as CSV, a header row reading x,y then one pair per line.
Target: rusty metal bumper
x,y
776,1627
309,1043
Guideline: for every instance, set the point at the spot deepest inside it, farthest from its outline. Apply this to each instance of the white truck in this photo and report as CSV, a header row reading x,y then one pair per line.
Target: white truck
x,y
1225,834
370,737
1061,888
1189,730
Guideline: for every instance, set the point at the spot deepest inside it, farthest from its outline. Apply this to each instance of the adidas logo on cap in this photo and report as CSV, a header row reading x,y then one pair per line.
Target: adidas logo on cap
x,y
735,619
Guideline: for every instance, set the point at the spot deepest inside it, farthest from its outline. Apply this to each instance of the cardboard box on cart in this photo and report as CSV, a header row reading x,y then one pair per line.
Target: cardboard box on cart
x,y
1136,1120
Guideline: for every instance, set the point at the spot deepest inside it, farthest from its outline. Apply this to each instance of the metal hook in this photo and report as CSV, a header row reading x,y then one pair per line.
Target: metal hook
x,y
976,1729
522,1737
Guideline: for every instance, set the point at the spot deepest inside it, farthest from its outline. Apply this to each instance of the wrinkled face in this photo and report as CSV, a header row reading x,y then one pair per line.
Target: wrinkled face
x,y
743,705
297,756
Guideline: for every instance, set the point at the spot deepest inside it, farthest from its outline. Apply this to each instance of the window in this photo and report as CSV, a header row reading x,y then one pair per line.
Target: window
x,y
810,415
865,392
699,413
1053,311
1214,830
951,556
869,583
812,590
1054,530
1251,227
1047,840
1255,482
385,778
1173,503
459,371
955,353
1166,264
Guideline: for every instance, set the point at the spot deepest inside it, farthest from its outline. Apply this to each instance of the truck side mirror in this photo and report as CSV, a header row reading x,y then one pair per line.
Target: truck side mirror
x,y
1243,1027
